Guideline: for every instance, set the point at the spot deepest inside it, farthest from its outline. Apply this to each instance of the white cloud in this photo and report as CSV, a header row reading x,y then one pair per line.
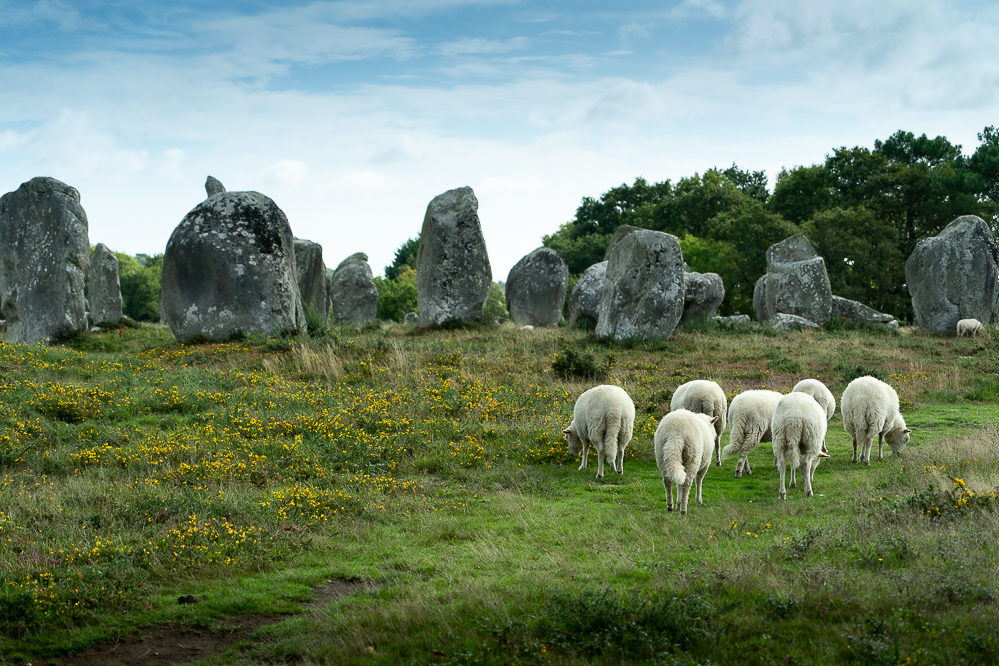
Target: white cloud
x,y
474,46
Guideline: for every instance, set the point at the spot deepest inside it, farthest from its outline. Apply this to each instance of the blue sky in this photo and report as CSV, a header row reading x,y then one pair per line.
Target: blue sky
x,y
353,115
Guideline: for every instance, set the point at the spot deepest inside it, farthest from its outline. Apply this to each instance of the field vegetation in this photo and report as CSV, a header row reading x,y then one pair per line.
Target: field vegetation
x,y
428,469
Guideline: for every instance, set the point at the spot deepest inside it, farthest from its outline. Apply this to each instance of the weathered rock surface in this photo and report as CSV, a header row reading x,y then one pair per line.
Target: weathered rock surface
x,y
44,257
213,186
734,321
858,314
954,275
584,301
619,233
353,295
310,274
411,319
104,287
789,322
535,288
453,275
229,269
703,295
796,283
643,289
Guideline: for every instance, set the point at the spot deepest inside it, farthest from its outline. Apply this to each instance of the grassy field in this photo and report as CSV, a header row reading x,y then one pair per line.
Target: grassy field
x,y
428,471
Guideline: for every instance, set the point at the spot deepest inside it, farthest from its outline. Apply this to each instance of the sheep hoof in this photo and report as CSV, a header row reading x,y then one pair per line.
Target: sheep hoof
x,y
738,475
683,512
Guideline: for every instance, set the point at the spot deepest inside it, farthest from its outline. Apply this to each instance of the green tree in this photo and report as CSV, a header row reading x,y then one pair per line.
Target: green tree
x,y
140,286
404,256
396,297
751,183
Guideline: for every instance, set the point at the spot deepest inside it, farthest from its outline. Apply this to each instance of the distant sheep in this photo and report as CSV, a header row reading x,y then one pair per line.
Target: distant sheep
x,y
822,395
749,416
870,407
683,444
705,397
799,428
604,416
969,327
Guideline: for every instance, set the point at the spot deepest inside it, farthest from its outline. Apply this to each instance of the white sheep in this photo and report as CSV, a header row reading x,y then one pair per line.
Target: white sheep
x,y
799,427
870,407
705,397
969,327
604,416
822,395
749,416
683,444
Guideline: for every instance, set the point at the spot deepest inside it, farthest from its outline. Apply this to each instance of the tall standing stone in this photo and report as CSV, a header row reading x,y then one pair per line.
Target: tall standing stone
x,y
796,283
229,269
310,272
104,287
353,295
954,275
44,257
644,287
453,275
535,288
584,301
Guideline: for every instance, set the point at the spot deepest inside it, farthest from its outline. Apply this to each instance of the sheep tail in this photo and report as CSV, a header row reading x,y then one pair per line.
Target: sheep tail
x,y
729,450
673,461
791,434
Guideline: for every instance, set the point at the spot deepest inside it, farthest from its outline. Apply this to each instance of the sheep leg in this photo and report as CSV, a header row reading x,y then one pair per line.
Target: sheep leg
x,y
855,450
743,463
791,485
881,446
586,446
700,482
600,462
806,477
668,485
780,471
683,494
866,454
718,449
619,460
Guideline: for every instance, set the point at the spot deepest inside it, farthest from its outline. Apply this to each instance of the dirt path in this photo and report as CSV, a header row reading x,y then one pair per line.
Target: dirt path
x,y
177,644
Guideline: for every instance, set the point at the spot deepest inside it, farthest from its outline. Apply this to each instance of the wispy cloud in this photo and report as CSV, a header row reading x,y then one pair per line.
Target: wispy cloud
x,y
476,46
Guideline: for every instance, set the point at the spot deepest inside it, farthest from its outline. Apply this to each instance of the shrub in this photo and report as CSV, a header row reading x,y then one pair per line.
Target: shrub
x,y
569,363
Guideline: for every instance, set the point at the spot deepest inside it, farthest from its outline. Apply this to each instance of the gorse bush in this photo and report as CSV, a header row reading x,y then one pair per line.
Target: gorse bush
x,y
571,364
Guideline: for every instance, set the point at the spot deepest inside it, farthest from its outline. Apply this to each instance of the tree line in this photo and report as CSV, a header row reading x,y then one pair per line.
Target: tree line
x,y
864,210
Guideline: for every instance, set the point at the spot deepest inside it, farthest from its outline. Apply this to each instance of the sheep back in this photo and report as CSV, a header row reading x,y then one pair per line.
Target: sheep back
x,y
703,396
749,417
869,406
603,412
798,427
683,442
820,392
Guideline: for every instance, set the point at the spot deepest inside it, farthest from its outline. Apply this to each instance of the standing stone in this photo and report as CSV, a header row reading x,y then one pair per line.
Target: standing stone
x,y
954,274
796,283
353,295
104,287
44,257
619,233
453,275
584,301
643,289
535,288
229,269
310,273
703,295
213,186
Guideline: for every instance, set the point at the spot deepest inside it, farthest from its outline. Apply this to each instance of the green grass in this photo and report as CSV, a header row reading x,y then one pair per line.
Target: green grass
x,y
430,465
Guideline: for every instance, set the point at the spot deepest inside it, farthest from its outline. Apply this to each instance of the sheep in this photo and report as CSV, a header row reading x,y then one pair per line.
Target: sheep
x,y
799,427
870,407
705,397
749,416
969,326
683,444
822,395
604,416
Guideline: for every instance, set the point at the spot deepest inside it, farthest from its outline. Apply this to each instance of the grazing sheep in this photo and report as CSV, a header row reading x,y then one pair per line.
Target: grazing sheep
x,y
683,444
749,416
604,416
870,407
969,326
705,397
822,395
798,427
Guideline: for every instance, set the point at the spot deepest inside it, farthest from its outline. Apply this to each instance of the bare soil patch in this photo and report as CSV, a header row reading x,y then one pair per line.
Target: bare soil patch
x,y
180,644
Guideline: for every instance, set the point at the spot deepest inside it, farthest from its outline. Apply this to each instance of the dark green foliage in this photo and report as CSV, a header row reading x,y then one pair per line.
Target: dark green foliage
x,y
396,296
405,256
140,285
572,364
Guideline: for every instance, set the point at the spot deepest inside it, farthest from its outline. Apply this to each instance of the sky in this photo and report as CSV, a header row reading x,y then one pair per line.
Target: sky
x,y
353,114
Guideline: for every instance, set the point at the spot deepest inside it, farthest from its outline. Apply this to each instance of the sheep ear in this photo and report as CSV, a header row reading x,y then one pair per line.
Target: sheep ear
x,y
714,418
567,429
906,430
